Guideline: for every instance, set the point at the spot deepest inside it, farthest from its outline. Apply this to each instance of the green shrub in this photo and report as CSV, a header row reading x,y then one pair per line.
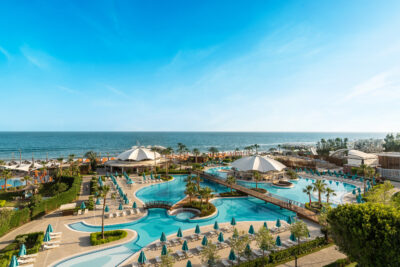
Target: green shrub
x,y
109,236
233,194
283,255
339,263
2,203
259,190
12,219
90,205
205,209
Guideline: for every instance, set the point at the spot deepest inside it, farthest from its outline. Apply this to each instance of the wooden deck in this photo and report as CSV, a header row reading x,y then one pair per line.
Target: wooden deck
x,y
300,211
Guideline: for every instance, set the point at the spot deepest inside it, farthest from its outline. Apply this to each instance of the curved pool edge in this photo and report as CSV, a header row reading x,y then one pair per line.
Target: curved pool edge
x,y
80,254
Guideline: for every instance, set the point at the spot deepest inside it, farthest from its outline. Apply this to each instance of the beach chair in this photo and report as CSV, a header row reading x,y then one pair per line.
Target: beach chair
x,y
223,245
50,246
86,211
158,260
180,255
199,249
55,234
225,263
79,212
257,253
123,214
27,256
24,261
188,254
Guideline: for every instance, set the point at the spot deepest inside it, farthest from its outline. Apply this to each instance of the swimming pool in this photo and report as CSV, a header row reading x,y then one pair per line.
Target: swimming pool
x,y
295,192
150,227
13,182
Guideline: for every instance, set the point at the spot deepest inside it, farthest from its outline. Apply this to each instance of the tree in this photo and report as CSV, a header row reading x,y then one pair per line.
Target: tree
x,y
7,174
103,193
308,190
198,180
300,230
257,177
368,233
213,150
166,152
329,192
181,149
209,255
27,179
167,260
292,174
190,191
256,147
60,166
207,193
320,187
231,180
264,240
239,243
92,156
196,153
381,193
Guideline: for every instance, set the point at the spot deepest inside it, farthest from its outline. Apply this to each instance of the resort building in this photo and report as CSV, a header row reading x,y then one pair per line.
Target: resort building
x,y
389,165
356,158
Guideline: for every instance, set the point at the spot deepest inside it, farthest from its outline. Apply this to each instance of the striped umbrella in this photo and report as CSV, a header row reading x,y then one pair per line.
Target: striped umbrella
x,y
204,242
14,262
134,206
292,237
98,201
289,220
232,255
266,225
120,207
179,233
46,237
185,246
142,258
189,263
164,250
83,206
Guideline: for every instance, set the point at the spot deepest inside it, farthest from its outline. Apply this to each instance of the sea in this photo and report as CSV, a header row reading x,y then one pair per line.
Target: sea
x,y
42,145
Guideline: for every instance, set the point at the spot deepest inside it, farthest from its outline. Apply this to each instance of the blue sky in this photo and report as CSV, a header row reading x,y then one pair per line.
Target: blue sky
x,y
200,65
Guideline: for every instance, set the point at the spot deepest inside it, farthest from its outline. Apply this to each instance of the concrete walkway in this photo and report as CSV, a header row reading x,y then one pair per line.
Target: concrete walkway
x,y
318,259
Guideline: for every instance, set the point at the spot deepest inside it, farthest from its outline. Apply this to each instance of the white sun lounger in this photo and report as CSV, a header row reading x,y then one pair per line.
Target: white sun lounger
x,y
86,211
56,233
29,256
29,260
257,253
123,214
79,212
225,263
51,246
158,259
180,254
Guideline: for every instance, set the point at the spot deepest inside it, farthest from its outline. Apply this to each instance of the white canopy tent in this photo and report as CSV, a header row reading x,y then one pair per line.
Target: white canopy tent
x,y
258,163
138,154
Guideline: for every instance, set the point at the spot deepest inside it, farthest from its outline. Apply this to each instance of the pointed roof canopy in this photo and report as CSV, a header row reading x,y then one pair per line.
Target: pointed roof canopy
x,y
138,154
258,163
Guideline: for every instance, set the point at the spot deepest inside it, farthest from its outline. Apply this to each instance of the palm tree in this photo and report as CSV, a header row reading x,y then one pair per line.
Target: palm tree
x,y
207,193
329,192
308,190
6,175
213,150
103,193
256,147
166,152
196,153
231,180
71,163
27,179
320,187
60,161
257,177
92,156
198,180
190,191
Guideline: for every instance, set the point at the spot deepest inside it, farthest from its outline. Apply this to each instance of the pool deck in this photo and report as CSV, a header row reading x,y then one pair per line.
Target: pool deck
x,y
75,243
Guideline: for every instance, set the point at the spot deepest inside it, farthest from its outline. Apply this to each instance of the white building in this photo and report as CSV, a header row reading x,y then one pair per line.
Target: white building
x,y
355,158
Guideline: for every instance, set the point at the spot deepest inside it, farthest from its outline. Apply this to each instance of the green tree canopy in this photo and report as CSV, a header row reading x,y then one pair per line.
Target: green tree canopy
x,y
368,233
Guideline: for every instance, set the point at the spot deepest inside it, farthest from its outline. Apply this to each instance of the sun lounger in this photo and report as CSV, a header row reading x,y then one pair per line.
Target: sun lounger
x,y
199,248
158,260
79,212
28,260
56,233
29,256
123,214
188,254
223,245
86,211
226,263
180,255
51,246
257,253
225,229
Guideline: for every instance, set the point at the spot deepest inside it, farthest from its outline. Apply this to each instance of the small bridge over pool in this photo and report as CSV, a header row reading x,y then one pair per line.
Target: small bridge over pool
x,y
282,202
158,205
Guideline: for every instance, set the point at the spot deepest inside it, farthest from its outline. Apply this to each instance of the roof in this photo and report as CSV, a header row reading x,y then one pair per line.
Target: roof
x,y
390,154
356,154
258,163
138,154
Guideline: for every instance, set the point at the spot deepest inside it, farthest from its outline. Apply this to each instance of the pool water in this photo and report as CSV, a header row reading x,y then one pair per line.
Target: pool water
x,y
150,227
296,192
13,182
185,215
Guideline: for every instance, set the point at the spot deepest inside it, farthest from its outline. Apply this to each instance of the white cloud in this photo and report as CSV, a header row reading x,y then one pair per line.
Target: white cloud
x,y
36,58
68,90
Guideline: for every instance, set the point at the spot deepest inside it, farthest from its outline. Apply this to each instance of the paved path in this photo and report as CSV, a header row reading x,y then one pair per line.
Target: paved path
x,y
318,259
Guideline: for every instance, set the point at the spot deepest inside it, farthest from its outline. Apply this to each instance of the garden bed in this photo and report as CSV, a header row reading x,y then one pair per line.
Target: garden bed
x,y
259,190
109,236
284,184
205,209
232,194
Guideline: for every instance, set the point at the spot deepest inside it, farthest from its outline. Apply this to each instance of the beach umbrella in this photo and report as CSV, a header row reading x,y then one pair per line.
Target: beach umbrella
x,y
96,194
216,226
46,237
164,250
359,190
22,250
247,250
134,206
232,255
107,209
163,238
233,221
144,176
49,228
179,233
185,246
204,242
221,237
289,220
278,241
292,237
116,173
265,225
14,262
197,230
126,201
120,207
151,176
251,230
189,264
278,223
142,258
98,201
83,206
354,191
308,234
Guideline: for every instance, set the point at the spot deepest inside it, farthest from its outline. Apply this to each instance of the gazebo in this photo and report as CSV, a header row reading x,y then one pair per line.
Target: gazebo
x,y
268,167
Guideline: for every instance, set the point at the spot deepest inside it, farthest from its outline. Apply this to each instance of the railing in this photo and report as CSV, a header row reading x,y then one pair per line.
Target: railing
x,y
290,201
157,204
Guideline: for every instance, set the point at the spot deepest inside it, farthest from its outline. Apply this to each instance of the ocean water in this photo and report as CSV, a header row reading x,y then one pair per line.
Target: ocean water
x,y
61,144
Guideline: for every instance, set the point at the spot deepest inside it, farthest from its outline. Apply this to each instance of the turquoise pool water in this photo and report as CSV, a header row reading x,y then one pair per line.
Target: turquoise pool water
x,y
13,182
150,227
296,192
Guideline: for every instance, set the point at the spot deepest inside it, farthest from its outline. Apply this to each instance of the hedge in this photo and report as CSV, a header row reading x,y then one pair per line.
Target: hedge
x,y
63,198
13,219
109,236
287,254
33,243
233,194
